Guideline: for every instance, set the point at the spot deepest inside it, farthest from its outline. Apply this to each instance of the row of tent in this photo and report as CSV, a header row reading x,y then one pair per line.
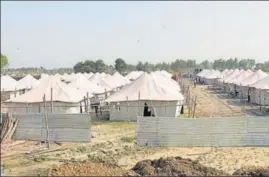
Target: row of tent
x,y
29,82
68,91
249,84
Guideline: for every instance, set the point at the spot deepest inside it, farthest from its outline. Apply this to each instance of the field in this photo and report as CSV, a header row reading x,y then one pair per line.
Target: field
x,y
114,143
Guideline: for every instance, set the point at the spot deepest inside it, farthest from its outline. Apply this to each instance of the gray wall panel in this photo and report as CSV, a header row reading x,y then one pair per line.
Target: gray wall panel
x,y
62,127
225,132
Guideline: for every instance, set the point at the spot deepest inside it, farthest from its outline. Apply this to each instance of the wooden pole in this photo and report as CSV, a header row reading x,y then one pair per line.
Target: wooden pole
x,y
46,121
87,101
80,107
85,104
260,101
127,102
127,107
51,98
139,103
26,107
194,106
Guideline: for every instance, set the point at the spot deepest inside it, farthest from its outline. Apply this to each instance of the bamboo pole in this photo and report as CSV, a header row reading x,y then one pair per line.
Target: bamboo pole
x,y
139,103
46,121
51,98
80,107
260,101
87,101
26,107
85,104
194,108
127,107
127,102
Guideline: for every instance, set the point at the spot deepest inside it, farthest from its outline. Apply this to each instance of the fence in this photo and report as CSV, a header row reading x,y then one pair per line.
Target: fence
x,y
207,132
60,127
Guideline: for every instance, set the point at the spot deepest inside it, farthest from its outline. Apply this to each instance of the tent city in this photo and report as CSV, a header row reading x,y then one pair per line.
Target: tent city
x,y
141,89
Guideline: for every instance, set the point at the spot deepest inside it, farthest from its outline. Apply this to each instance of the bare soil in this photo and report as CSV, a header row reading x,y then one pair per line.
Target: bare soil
x,y
175,166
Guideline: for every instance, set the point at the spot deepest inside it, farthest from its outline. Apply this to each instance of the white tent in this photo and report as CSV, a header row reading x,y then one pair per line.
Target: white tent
x,y
167,82
83,84
262,84
238,79
28,82
99,80
258,95
245,83
120,77
166,74
8,83
256,76
212,76
65,99
203,72
128,103
225,72
113,81
133,75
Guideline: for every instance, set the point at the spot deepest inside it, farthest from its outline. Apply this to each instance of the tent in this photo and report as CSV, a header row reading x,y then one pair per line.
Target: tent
x,y
212,76
258,94
166,74
65,99
245,83
128,103
84,85
133,75
235,82
28,82
8,83
120,77
8,88
201,74
167,82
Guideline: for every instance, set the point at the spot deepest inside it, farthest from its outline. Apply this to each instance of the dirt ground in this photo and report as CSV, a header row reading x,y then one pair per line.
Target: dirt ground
x,y
114,143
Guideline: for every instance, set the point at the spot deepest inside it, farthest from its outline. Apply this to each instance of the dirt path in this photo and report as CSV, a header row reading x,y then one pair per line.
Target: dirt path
x,y
209,104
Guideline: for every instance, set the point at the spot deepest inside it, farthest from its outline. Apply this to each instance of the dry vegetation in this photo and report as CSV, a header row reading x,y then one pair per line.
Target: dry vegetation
x,y
113,151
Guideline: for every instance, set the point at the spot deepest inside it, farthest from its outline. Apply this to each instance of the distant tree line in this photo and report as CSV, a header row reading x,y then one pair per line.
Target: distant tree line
x,y
179,65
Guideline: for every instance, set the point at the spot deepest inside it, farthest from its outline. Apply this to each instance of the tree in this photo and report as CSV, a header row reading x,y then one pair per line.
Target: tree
x,y
100,66
89,66
79,67
4,62
205,64
140,66
120,65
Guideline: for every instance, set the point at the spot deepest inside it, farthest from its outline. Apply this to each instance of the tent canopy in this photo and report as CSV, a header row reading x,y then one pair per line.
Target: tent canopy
x,y
61,92
148,87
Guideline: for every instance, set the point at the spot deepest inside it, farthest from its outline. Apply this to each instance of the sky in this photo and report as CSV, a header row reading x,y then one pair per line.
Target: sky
x,y
55,34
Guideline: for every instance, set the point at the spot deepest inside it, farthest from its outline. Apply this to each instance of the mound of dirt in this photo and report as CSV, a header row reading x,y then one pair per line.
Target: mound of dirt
x,y
175,166
252,171
89,169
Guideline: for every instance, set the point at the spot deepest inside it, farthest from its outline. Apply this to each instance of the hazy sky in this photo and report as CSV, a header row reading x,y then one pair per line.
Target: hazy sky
x,y
59,34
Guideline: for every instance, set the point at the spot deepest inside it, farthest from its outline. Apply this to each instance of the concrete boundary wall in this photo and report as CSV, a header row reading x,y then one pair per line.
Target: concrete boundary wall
x,y
62,127
207,132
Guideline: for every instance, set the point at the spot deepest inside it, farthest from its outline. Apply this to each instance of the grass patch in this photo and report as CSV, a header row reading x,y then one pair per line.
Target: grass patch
x,y
126,139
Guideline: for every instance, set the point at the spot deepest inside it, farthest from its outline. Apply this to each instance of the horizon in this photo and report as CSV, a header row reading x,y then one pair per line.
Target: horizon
x,y
60,34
